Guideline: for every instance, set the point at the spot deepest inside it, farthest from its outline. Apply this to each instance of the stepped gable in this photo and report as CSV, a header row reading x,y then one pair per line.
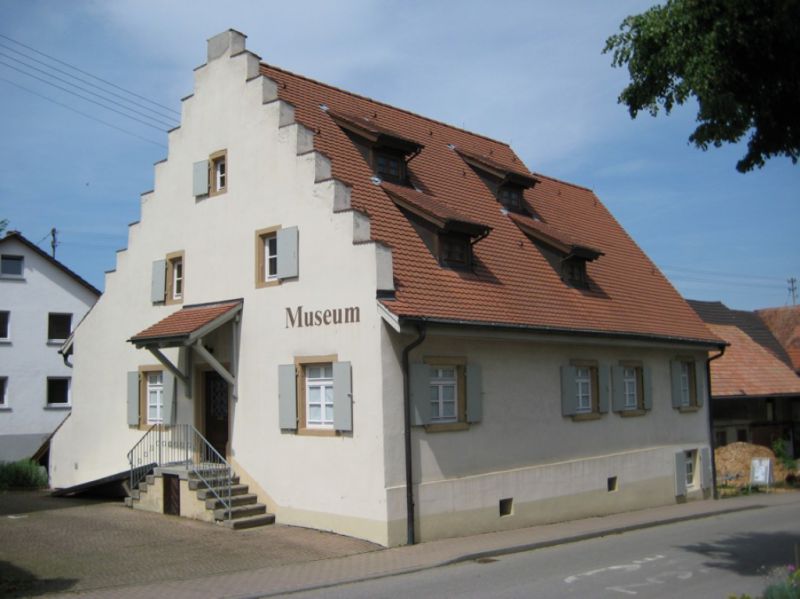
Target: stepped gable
x,y
511,283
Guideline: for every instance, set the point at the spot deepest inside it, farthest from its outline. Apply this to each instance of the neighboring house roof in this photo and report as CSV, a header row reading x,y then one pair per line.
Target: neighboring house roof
x,y
785,326
187,322
16,235
512,284
749,369
749,322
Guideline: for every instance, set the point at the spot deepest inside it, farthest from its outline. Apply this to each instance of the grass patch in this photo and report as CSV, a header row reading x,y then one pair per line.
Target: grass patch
x,y
25,474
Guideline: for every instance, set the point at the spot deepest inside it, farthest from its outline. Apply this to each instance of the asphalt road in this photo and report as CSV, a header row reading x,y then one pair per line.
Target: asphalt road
x,y
713,557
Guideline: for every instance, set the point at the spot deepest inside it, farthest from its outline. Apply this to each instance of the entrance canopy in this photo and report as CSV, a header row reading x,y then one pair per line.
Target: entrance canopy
x,y
187,328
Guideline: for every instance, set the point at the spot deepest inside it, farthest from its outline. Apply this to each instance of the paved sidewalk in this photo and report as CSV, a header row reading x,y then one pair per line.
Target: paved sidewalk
x,y
284,578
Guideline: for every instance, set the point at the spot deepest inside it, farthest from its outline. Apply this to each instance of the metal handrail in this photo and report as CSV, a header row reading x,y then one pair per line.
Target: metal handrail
x,y
182,445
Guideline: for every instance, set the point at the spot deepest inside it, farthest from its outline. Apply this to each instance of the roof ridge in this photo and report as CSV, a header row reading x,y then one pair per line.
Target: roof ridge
x,y
557,180
387,105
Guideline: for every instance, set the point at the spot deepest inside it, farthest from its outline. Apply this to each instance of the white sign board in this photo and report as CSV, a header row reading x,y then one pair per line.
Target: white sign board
x,y
761,471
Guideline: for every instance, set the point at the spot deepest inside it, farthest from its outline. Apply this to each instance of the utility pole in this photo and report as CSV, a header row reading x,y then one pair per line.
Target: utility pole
x,y
53,241
793,290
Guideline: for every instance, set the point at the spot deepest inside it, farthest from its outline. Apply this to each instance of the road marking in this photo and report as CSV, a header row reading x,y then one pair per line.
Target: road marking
x,y
17,516
632,567
651,581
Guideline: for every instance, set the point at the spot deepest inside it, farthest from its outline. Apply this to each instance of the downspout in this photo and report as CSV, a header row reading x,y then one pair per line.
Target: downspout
x,y
711,421
410,533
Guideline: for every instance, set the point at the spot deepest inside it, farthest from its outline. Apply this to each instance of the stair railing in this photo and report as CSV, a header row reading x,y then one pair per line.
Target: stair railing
x,y
182,445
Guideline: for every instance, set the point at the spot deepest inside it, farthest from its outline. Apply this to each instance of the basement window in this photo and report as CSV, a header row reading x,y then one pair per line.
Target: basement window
x,y
506,507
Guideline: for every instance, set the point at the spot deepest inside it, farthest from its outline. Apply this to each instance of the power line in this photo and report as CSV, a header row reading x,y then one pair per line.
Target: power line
x,y
69,91
725,283
88,116
155,118
713,273
66,64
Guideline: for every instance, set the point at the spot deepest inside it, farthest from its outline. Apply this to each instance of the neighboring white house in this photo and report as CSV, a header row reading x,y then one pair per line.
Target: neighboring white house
x,y
41,300
387,325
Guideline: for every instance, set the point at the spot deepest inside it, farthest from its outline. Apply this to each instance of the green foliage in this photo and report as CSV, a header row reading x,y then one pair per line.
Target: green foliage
x,y
25,474
788,588
740,59
781,449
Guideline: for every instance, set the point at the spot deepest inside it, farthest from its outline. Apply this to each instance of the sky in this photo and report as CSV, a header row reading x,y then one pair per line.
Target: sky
x,y
530,73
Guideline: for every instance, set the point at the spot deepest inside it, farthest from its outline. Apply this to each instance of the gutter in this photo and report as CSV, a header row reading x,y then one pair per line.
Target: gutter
x,y
410,532
711,421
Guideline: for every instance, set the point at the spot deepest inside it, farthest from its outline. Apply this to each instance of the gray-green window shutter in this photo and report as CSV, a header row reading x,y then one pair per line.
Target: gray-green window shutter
x,y
342,397
158,286
287,252
569,390
474,392
287,397
419,382
702,386
200,178
603,383
675,374
705,464
133,398
617,388
169,399
680,474
647,388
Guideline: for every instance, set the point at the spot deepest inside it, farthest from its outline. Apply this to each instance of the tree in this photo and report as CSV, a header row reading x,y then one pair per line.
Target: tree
x,y
740,59
3,225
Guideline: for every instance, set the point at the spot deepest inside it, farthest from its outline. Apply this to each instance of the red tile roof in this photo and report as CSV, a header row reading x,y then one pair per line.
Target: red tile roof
x,y
785,325
749,369
184,322
552,236
513,284
427,206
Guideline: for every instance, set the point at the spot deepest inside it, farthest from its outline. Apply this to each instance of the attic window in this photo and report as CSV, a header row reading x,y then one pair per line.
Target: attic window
x,y
510,196
573,272
454,250
390,167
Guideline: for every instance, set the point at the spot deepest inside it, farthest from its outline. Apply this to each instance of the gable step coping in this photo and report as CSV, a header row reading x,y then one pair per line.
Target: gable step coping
x,y
212,503
205,492
249,522
240,511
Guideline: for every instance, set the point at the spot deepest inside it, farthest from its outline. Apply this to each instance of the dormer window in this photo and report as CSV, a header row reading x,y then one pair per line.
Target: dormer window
x,y
389,167
454,250
507,183
510,196
573,272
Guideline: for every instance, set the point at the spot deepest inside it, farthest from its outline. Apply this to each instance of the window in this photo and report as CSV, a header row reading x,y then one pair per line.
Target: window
x,y
59,326
175,282
689,459
573,272
390,167
688,385
584,389
510,197
154,394
315,396
58,392
12,266
631,388
276,255
444,394
218,175
455,250
5,317
3,391
720,438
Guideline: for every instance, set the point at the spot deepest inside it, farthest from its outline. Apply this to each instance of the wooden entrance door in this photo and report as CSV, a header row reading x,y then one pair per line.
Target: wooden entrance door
x,y
172,494
216,411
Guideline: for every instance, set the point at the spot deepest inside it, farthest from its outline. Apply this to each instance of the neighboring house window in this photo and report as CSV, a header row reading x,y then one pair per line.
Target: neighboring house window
x,y
584,389
688,382
59,326
444,394
3,391
319,395
154,393
5,317
315,396
276,255
12,266
631,384
219,172
175,282
690,459
58,391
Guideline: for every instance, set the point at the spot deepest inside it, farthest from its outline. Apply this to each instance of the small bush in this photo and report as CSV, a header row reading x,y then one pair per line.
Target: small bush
x,y
25,474
781,449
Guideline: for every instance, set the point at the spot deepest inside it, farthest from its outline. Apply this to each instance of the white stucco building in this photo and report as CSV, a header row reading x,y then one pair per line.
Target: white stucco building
x,y
388,326
41,300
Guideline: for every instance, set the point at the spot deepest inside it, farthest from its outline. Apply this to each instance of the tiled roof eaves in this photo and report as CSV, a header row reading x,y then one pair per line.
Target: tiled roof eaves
x,y
761,396
707,343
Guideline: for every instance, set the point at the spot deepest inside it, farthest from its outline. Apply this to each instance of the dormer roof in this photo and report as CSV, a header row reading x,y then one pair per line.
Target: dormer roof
x,y
367,128
504,173
550,236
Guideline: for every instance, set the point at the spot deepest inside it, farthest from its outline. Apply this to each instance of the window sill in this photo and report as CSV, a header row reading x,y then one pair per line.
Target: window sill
x,y
12,277
5,408
630,413
317,432
5,341
586,416
270,283
58,407
443,427
56,342
688,409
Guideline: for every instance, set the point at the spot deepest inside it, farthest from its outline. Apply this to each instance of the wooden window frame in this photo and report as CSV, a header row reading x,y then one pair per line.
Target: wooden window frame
x,y
441,240
594,412
570,265
505,193
172,258
460,364
377,153
300,364
59,405
144,416
261,236
214,160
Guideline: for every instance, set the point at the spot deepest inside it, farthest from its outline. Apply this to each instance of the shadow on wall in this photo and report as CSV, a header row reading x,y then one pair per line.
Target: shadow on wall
x,y
17,582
